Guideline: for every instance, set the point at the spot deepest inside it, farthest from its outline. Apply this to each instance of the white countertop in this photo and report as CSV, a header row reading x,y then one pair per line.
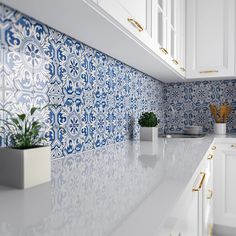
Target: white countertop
x,y
125,189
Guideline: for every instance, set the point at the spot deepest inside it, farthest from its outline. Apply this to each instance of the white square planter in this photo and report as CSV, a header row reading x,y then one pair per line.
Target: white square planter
x,y
25,168
148,133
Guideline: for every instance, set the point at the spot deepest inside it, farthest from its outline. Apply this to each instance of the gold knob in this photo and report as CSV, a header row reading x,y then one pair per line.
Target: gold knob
x,y
213,148
182,68
200,183
233,145
210,156
210,194
164,51
135,24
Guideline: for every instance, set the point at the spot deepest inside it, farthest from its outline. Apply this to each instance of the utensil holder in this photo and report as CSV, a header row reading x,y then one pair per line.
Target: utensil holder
x,y
220,128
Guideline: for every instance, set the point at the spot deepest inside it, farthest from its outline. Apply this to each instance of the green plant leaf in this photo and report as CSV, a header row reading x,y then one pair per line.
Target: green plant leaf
x,y
23,130
32,110
15,121
21,116
35,123
148,119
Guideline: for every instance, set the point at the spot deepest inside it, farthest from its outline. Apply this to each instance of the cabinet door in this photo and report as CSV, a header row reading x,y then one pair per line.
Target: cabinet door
x,y
224,185
160,23
186,216
176,33
189,225
135,16
210,38
181,8
189,209
168,17
172,30
140,11
207,200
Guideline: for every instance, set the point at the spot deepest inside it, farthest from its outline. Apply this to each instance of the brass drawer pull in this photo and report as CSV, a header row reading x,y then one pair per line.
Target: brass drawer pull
x,y
135,24
210,156
164,51
233,146
208,71
213,148
210,194
199,185
183,69
175,62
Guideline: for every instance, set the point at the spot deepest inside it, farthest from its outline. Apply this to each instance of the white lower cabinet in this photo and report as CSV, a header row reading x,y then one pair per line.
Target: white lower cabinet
x,y
207,200
190,213
193,215
225,188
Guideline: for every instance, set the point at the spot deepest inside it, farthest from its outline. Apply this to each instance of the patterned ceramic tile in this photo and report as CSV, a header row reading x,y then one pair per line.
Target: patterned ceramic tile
x,y
101,97
188,103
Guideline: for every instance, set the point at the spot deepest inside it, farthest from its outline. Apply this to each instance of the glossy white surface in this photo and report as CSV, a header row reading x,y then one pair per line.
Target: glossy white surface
x,y
102,192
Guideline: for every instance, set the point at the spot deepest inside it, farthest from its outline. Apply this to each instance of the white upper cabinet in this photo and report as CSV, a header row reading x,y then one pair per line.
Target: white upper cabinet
x,y
134,16
181,34
168,23
172,29
160,20
210,38
139,11
159,25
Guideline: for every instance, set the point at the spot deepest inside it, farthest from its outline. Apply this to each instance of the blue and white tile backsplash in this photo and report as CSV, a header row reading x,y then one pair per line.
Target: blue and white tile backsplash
x,y
101,97
188,103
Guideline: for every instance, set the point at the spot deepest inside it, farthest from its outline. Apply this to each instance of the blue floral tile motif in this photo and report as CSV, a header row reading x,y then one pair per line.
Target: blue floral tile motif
x,y
188,103
101,98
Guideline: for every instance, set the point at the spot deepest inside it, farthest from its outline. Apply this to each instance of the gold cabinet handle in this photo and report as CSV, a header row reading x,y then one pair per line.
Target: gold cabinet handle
x,y
164,51
210,194
233,146
210,156
182,68
200,183
213,148
175,62
208,71
135,24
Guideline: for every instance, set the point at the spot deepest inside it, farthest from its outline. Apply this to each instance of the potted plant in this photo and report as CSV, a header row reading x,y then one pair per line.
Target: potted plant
x,y
220,115
148,130
24,162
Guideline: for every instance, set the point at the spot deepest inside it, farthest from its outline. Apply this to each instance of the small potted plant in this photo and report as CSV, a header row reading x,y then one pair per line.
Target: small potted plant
x,y
220,115
148,130
24,162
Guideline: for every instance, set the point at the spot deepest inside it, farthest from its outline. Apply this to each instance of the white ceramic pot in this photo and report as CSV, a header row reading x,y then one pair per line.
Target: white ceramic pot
x,y
25,168
220,128
148,133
